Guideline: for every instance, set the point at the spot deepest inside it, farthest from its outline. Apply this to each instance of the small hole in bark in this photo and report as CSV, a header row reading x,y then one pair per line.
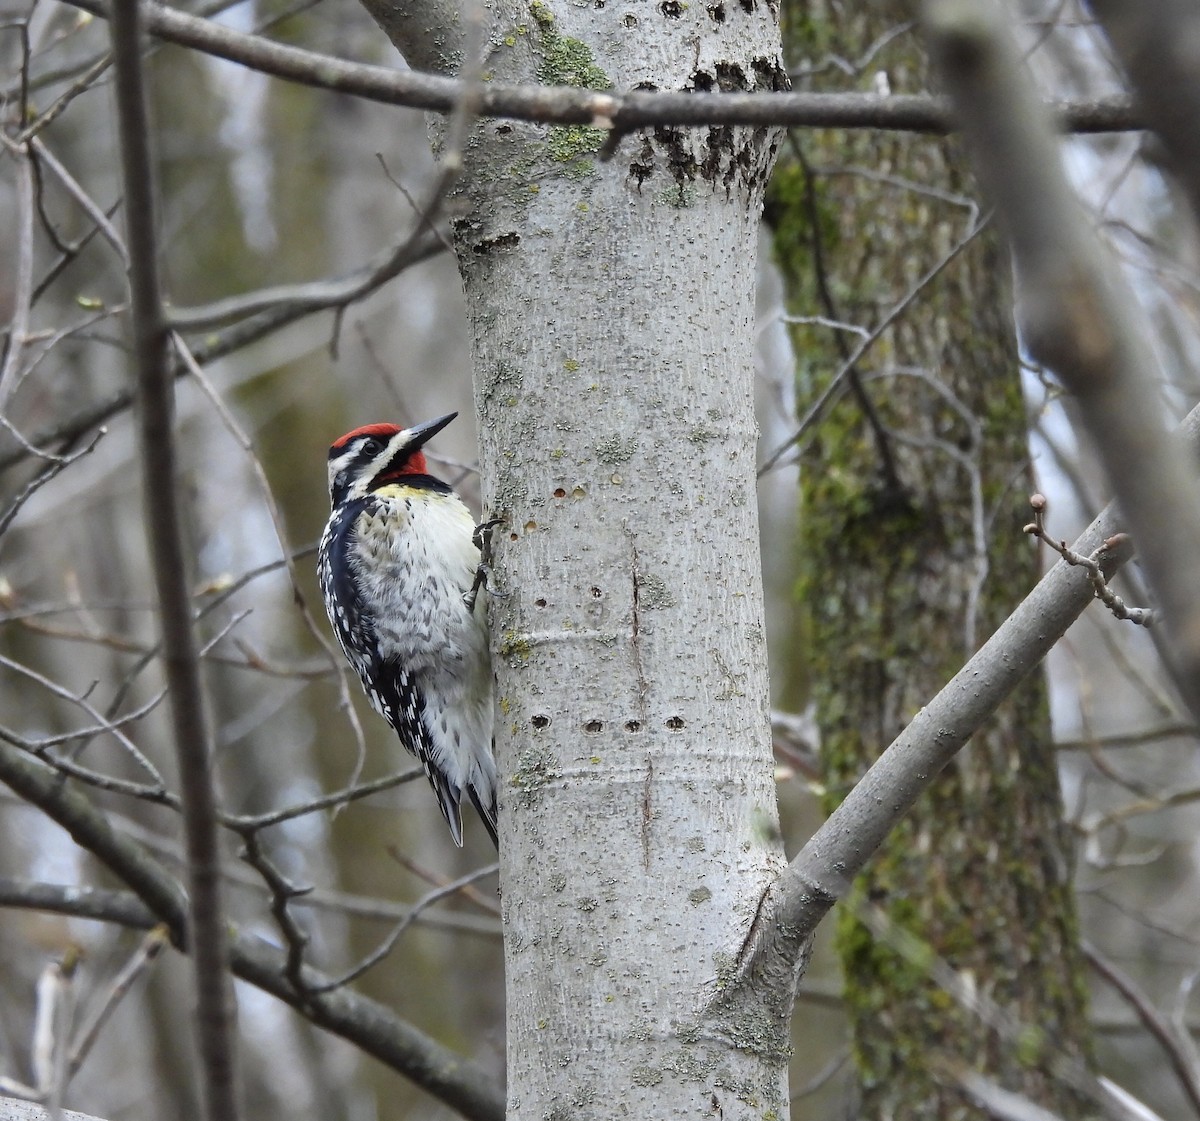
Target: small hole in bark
x,y
539,602
630,20
633,725
559,492
596,593
540,721
513,537
504,130
530,527
716,12
672,9
594,726
675,723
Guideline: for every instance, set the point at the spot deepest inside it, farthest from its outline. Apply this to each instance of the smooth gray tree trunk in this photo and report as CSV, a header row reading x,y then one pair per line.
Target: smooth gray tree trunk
x,y
611,308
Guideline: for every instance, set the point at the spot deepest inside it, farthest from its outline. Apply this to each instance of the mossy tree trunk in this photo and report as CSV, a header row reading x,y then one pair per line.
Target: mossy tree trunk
x,y
914,489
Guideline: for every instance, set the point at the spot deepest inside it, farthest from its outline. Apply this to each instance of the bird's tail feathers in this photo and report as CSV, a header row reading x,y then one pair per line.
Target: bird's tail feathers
x,y
487,813
447,797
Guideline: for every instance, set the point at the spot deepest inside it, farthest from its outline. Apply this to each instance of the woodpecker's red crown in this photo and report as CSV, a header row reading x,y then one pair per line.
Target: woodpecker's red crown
x,y
377,454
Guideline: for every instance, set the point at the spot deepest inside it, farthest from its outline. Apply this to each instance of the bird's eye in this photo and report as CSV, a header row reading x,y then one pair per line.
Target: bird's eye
x,y
372,447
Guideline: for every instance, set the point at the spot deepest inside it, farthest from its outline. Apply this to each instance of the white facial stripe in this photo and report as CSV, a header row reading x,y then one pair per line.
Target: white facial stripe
x,y
395,444
341,462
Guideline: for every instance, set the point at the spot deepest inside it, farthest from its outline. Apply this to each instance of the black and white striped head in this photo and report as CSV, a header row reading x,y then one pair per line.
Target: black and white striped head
x,y
379,454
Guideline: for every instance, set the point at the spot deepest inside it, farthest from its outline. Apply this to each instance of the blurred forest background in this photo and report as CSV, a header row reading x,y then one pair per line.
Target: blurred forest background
x,y
265,184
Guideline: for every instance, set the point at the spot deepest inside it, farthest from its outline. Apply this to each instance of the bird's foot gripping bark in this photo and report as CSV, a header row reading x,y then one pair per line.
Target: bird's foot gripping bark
x,y
483,542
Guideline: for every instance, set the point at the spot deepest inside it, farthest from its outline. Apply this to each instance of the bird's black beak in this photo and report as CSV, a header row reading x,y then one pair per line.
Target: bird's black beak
x,y
421,433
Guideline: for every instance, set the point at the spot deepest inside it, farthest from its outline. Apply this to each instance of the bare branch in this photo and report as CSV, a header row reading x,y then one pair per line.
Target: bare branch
x,y
156,414
102,904
841,847
571,105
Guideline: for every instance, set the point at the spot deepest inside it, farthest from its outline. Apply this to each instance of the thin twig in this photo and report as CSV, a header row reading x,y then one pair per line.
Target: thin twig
x,y
1142,616
334,294
386,946
836,383
145,954
1153,1021
336,662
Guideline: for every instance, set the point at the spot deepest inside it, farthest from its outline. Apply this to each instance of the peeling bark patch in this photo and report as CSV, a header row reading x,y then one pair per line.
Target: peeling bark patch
x,y
491,245
733,158
641,167
730,77
673,143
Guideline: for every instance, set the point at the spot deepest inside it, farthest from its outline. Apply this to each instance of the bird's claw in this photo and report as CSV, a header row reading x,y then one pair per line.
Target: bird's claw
x,y
482,537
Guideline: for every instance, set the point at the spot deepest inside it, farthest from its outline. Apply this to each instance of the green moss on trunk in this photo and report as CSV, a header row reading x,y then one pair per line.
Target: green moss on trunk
x,y
907,541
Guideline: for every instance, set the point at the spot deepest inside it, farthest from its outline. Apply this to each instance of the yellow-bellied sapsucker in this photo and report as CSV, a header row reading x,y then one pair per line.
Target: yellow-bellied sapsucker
x,y
399,565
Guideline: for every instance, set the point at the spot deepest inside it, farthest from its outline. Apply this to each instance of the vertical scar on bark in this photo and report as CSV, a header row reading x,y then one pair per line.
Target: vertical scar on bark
x,y
647,784
635,642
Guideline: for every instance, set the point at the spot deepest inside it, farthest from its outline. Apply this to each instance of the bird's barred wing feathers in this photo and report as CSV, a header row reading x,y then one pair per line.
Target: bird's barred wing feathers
x,y
352,621
397,697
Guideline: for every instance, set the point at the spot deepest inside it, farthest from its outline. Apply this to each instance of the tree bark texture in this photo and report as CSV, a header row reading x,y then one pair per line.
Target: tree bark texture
x,y
611,308
913,552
